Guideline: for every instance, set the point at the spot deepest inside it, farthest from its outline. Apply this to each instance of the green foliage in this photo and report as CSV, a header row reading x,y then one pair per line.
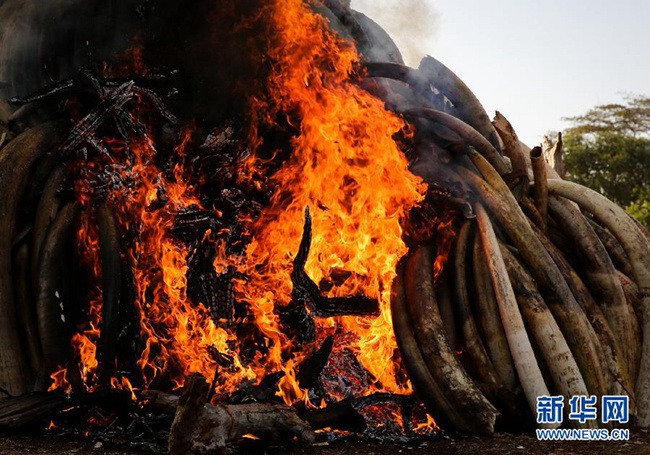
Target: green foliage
x,y
630,119
640,210
608,149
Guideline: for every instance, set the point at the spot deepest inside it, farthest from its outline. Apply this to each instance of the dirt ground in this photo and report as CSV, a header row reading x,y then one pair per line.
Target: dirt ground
x,y
498,444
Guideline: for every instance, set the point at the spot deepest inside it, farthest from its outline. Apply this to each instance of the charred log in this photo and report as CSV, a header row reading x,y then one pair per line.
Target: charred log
x,y
306,293
311,368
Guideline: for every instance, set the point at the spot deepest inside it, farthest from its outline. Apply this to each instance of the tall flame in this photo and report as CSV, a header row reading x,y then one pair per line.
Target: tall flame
x,y
347,166
345,163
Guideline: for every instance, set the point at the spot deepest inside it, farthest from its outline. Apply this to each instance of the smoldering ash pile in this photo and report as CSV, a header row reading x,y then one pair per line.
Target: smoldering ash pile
x,y
248,220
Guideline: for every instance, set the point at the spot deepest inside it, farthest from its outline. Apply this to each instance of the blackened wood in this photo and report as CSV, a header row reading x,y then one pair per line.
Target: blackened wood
x,y
264,392
307,292
342,415
111,105
310,369
208,287
23,411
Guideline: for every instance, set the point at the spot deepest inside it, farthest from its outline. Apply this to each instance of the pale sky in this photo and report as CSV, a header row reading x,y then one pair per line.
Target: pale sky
x,y
535,61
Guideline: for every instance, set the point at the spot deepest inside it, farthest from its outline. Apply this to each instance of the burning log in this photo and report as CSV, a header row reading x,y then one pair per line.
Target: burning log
x,y
205,284
345,415
307,294
109,106
264,392
310,369
342,415
191,297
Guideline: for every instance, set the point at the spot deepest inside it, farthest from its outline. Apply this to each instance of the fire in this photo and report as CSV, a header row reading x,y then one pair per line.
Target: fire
x,y
346,165
426,426
85,341
179,334
446,235
59,381
124,384
344,162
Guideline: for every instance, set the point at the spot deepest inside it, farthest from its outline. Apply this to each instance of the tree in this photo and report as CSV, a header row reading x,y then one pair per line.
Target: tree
x,y
608,149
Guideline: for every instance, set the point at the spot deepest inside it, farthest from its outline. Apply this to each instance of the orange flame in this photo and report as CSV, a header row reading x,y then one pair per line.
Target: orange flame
x,y
59,381
85,342
426,427
345,162
179,335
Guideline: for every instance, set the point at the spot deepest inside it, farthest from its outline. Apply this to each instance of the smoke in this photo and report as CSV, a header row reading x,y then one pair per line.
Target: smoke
x,y
411,24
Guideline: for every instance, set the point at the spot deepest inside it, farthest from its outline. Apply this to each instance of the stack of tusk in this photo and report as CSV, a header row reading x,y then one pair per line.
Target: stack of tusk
x,y
549,297
38,289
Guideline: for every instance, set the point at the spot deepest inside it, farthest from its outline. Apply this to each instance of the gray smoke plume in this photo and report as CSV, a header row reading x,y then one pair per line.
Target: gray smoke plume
x,y
411,23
